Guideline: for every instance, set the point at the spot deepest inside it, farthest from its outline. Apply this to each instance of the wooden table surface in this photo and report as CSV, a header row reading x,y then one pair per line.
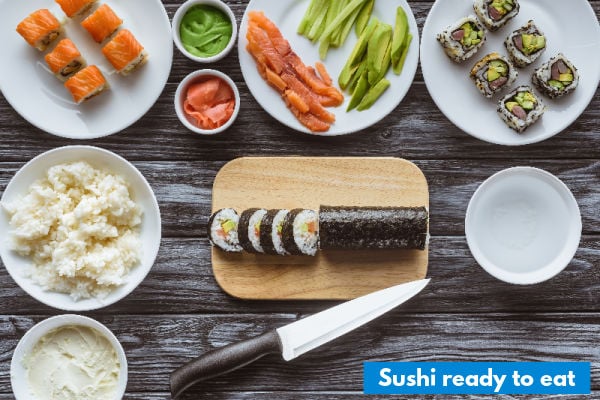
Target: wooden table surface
x,y
179,311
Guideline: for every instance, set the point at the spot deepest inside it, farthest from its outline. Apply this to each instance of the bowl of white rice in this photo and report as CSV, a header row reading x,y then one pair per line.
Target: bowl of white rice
x,y
83,228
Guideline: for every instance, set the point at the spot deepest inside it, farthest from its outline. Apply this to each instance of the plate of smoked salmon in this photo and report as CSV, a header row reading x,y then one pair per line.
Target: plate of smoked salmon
x,y
84,69
295,85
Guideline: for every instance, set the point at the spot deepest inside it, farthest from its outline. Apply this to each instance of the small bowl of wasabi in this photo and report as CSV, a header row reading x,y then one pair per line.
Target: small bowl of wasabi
x,y
204,30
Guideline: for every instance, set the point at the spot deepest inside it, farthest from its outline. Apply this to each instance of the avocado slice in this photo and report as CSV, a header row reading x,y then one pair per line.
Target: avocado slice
x,y
362,86
357,55
373,94
556,84
532,43
510,104
399,35
568,77
493,74
376,51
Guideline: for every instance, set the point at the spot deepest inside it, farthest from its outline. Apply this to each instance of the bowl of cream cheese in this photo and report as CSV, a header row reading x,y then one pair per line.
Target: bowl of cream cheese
x,y
69,357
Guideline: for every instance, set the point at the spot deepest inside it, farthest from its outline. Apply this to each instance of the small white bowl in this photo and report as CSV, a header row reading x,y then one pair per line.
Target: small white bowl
x,y
18,372
199,76
523,225
142,194
180,13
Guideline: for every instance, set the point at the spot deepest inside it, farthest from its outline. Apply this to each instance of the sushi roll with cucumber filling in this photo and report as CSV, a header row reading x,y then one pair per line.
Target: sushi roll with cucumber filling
x,y
271,228
525,45
300,232
249,229
557,77
462,39
496,13
492,74
521,108
223,230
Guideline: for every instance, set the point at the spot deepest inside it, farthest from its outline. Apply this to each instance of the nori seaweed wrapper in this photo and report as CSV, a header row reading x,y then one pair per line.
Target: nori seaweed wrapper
x,y
210,222
266,229
355,228
287,232
243,230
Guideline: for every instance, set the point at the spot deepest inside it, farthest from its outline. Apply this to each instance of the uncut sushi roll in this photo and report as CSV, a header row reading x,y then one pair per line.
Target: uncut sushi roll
x,y
496,13
102,23
462,39
223,230
525,45
557,77
75,8
271,232
124,52
249,229
300,234
85,84
65,60
40,28
357,228
520,108
492,74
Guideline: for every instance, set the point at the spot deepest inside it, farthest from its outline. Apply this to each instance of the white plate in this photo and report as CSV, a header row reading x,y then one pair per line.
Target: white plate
x,y
142,194
287,15
523,225
34,92
571,27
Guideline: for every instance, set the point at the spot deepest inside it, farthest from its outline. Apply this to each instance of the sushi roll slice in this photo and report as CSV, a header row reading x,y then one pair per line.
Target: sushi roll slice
x,y
223,230
462,39
300,233
86,84
249,229
496,13
40,28
124,52
557,77
521,108
492,74
102,23
75,8
525,45
65,60
271,230
358,228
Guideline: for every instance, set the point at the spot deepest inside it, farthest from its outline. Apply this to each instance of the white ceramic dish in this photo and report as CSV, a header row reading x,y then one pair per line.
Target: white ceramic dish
x,y
18,373
150,232
180,13
198,76
456,96
523,225
287,16
40,98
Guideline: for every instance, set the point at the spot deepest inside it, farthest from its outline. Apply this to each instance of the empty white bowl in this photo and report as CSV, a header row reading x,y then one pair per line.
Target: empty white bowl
x,y
142,194
180,13
18,372
523,225
199,76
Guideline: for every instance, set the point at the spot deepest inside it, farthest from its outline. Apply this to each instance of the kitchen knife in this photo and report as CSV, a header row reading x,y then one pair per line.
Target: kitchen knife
x,y
296,338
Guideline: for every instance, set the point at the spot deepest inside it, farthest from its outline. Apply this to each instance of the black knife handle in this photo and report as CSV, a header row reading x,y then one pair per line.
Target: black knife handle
x,y
223,360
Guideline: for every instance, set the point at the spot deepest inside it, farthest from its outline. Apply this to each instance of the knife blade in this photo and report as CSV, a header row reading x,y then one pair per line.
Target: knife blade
x,y
296,338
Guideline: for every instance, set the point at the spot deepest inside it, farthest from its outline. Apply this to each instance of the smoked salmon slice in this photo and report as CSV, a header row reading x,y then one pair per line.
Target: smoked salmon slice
x,y
102,23
86,84
209,103
40,28
65,60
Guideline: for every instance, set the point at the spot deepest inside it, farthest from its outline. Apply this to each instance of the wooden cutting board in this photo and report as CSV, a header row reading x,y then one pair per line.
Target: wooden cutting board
x,y
307,182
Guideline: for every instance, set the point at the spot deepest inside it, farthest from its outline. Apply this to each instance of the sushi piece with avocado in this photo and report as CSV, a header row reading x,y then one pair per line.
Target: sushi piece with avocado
x,y
271,232
525,45
223,230
492,74
462,39
496,13
557,77
300,234
520,108
249,229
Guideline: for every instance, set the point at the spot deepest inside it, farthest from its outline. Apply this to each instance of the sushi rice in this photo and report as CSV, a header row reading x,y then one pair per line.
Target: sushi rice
x,y
254,229
305,239
277,232
223,230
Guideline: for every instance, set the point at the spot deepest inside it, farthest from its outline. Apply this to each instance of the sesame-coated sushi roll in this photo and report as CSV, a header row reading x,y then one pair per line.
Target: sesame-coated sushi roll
x,y
462,39
40,28
301,232
525,45
271,230
102,23
65,60
249,229
492,74
223,230
124,52
521,108
556,77
86,84
496,13
75,8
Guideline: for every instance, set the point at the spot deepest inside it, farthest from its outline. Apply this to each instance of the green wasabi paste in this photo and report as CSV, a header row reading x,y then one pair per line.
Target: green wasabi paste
x,y
205,31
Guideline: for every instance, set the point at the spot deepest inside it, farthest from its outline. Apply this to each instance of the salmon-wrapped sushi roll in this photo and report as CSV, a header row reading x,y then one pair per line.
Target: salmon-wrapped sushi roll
x,y
40,28
86,84
102,23
65,60
124,52
75,8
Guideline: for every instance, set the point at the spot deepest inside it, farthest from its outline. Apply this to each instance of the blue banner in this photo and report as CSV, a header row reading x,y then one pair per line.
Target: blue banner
x,y
476,378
